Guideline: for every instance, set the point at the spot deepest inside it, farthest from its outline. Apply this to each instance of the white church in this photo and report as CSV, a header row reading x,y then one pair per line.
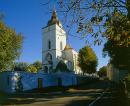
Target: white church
x,y
55,47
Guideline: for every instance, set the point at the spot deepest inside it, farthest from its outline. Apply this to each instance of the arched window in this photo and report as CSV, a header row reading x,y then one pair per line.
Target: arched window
x,y
49,44
61,46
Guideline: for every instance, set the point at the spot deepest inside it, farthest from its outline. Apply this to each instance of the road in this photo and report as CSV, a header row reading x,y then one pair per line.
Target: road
x,y
94,94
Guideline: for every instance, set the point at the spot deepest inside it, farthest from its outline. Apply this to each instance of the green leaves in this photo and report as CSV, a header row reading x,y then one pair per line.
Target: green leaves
x,y
102,71
10,46
118,44
38,65
23,66
32,68
87,60
120,55
118,29
61,66
108,18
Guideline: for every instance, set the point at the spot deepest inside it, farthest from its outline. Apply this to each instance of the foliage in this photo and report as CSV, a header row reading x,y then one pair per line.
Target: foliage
x,y
61,66
128,77
119,55
38,65
32,69
118,52
118,29
87,60
102,71
20,66
23,66
10,46
90,18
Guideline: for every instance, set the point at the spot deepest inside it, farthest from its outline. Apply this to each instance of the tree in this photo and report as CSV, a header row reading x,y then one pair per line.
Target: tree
x,y
20,66
102,71
32,69
87,60
10,46
61,66
38,65
119,55
90,17
23,66
118,29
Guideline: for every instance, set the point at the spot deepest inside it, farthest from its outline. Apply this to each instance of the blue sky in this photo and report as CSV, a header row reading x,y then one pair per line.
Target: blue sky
x,y
28,17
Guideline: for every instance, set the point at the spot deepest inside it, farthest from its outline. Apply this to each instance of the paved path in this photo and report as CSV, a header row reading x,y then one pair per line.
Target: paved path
x,y
71,98
88,95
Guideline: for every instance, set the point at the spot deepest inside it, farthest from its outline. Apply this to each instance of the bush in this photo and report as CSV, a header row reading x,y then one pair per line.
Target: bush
x,y
128,77
61,66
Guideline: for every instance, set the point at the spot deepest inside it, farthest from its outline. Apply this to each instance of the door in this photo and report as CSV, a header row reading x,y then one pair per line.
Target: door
x,y
59,82
40,80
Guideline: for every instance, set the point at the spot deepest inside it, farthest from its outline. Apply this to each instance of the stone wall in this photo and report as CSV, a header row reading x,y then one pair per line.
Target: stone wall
x,y
9,81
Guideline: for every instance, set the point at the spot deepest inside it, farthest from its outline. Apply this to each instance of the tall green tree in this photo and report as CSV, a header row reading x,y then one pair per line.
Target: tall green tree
x,y
38,65
87,60
119,55
10,46
32,69
102,71
23,66
20,66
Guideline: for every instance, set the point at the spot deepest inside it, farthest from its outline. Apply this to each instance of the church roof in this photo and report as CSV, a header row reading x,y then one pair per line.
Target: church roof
x,y
67,47
54,19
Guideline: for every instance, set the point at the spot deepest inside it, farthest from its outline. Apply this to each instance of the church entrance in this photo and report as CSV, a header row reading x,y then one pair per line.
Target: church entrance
x,y
40,81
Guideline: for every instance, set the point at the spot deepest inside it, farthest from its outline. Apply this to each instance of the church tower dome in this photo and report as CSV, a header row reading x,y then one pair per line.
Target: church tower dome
x,y
68,47
54,19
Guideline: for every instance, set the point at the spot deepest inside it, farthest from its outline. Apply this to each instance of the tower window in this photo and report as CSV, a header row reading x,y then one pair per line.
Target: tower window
x,y
49,44
61,46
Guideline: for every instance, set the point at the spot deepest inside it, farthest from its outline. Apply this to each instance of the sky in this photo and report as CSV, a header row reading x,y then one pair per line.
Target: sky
x,y
29,17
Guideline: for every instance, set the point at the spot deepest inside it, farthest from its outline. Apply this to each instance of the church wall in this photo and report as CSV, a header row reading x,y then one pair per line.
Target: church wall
x,y
115,74
49,34
67,78
5,81
75,59
29,81
72,56
60,37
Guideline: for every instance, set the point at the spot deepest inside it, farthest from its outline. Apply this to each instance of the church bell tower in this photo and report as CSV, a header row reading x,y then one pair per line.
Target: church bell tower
x,y
53,43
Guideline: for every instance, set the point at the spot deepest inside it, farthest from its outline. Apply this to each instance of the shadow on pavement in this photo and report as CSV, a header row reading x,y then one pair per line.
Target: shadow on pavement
x,y
31,97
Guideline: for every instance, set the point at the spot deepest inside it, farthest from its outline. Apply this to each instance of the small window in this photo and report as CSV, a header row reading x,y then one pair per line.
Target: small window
x,y
61,46
49,44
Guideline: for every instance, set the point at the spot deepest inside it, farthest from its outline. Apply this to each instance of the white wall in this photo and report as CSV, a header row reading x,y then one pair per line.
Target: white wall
x,y
30,80
72,55
49,34
115,74
55,34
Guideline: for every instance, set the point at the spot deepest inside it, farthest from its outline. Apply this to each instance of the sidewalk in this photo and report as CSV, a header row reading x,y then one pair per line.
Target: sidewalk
x,y
114,96
129,98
